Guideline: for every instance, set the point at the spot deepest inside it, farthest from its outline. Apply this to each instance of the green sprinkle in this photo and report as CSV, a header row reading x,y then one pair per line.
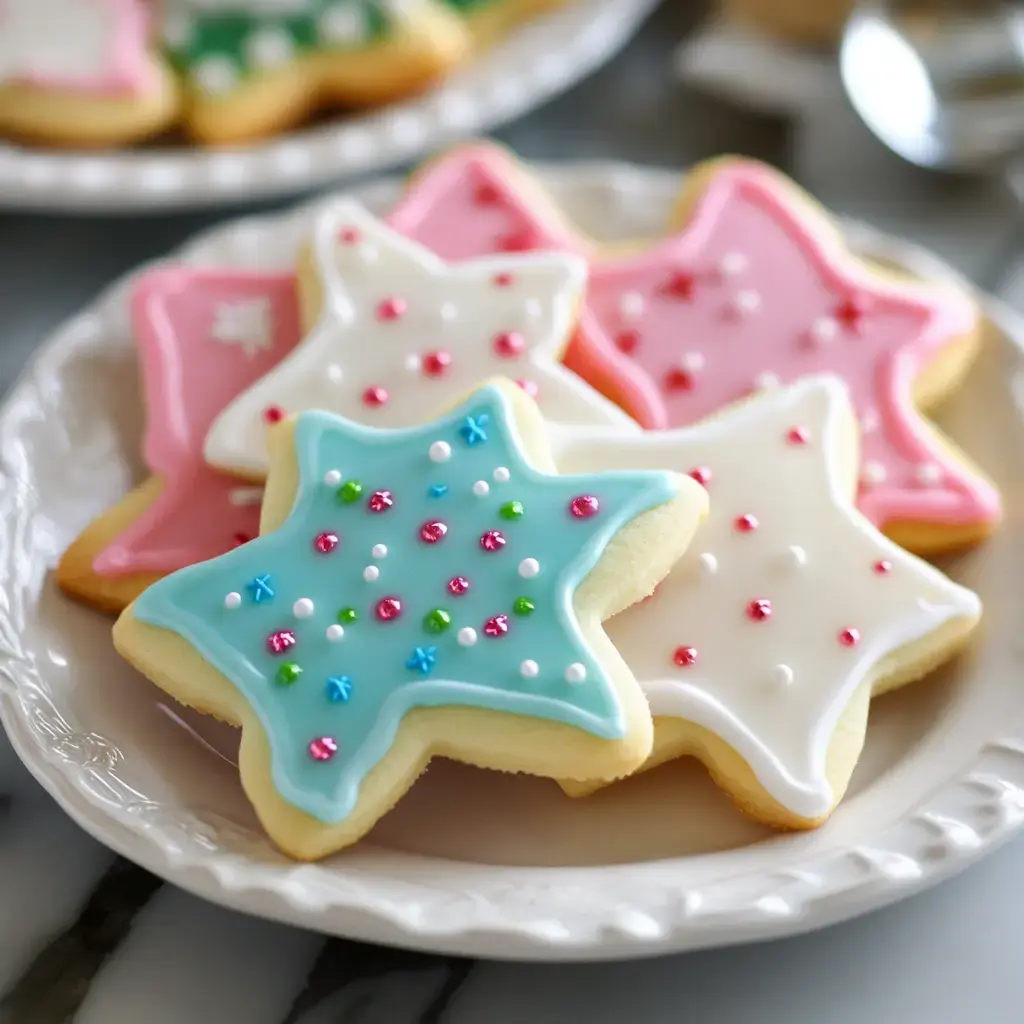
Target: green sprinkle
x,y
288,673
436,621
349,491
523,606
347,615
511,510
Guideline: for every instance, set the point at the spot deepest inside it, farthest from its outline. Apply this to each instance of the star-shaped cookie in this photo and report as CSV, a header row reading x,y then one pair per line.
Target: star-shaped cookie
x,y
397,335
417,591
202,337
761,650
754,288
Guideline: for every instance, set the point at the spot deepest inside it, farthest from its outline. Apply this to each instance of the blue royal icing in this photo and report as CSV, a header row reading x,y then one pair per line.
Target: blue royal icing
x,y
354,680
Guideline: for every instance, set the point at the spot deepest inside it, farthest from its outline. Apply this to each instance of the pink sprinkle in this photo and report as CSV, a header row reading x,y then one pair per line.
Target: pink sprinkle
x,y
496,626
583,506
508,344
517,241
680,285
350,236
851,311
325,543
380,501
849,637
503,280
492,540
458,585
746,523
435,363
375,396
388,608
685,656
486,194
323,748
798,435
702,474
530,387
391,308
627,341
882,566
433,531
240,538
759,610
678,379
273,414
279,642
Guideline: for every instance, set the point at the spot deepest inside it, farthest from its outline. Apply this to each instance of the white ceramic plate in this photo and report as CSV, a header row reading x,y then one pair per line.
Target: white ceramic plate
x,y
538,61
473,861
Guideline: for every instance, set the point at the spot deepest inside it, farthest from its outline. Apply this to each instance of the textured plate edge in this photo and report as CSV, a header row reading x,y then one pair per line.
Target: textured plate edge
x,y
528,915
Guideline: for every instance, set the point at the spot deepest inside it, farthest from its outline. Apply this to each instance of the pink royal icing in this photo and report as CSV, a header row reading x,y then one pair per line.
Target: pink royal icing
x,y
97,46
203,337
744,297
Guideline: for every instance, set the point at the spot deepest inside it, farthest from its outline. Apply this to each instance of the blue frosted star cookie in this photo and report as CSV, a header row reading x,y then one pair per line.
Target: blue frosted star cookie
x,y
429,590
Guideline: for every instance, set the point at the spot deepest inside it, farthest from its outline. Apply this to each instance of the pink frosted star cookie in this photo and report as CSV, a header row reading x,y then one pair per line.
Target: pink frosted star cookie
x,y
755,288
80,72
761,650
202,336
396,335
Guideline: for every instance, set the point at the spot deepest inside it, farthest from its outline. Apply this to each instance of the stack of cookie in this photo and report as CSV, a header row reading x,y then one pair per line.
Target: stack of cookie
x,y
465,485
109,72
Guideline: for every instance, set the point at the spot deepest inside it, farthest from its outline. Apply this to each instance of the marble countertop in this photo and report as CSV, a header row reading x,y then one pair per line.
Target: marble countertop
x,y
89,938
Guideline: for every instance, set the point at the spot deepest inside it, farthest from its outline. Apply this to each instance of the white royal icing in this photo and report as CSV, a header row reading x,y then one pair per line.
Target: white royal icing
x,y
246,324
773,690
373,349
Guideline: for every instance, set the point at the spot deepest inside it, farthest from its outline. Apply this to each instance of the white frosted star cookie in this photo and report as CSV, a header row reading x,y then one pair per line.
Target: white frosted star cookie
x,y
396,335
760,652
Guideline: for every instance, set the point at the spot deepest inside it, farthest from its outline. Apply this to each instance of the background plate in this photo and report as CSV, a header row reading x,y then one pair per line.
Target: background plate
x,y
472,861
539,60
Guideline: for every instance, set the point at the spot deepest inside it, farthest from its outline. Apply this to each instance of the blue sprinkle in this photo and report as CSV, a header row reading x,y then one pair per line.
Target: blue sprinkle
x,y
472,429
261,589
438,490
423,660
339,689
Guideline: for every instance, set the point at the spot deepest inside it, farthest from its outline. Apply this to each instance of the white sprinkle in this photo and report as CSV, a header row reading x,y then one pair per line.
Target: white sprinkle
x,y
379,551
528,568
767,381
746,302
215,75
332,477
534,309
869,421
576,672
708,563
303,608
335,374
797,555
873,473
369,253
501,475
782,674
371,573
335,632
413,363
449,311
269,48
692,361
342,24
481,488
467,636
243,497
733,263
440,451
631,305
824,330
232,600
529,669
928,474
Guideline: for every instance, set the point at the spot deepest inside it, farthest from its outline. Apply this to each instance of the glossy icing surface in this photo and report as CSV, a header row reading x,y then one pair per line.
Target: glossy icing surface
x,y
430,566
745,296
786,600
202,336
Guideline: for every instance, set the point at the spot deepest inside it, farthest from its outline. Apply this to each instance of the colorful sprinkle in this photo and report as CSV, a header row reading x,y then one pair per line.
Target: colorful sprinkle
x,y
782,674
708,562
325,543
338,689
759,610
523,606
528,568
679,285
289,673
440,451
432,531
335,632
481,488
511,510
583,506
438,490
678,379
303,608
435,363
508,344
746,523
260,589
473,429
492,540
422,660
323,749
528,669
350,236
496,626
466,636
798,435
850,312
702,474
627,341
350,491
380,501
280,641
797,555
375,397
240,538
348,615
458,585
502,280
371,574
685,656
501,475
273,414
437,620
882,566
530,387
576,672
232,600
388,609
332,477
391,308
849,637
